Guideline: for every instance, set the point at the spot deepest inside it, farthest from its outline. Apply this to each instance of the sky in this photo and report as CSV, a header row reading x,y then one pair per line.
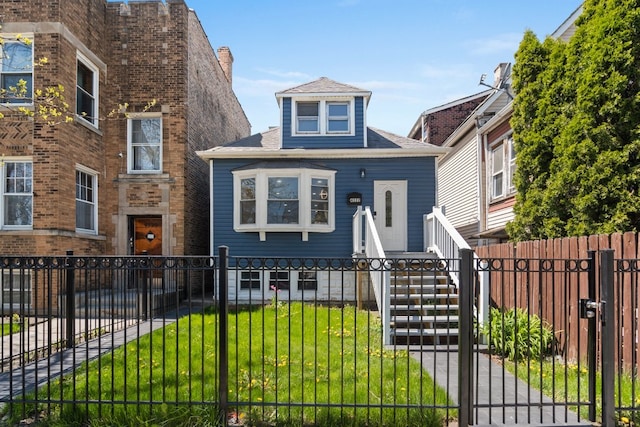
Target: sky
x,y
413,55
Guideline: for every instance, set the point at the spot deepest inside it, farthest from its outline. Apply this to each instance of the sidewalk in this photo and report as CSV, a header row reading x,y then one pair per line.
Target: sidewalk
x,y
518,403
34,374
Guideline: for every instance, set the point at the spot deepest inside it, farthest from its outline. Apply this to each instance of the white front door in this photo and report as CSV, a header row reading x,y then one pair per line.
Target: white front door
x,y
390,207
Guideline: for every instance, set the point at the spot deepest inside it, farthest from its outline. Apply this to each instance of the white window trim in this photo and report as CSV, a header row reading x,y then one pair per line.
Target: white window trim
x,y
508,188
10,38
305,176
323,118
511,163
258,279
348,117
265,292
94,176
3,184
130,156
93,121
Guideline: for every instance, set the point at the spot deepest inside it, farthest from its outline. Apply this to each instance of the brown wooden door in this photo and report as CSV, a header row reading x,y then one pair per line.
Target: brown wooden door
x,y
147,236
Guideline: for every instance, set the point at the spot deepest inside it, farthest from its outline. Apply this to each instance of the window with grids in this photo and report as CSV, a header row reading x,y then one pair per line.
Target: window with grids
x,y
249,280
337,117
307,117
86,206
323,117
17,195
145,145
284,200
87,90
503,166
308,281
279,280
16,71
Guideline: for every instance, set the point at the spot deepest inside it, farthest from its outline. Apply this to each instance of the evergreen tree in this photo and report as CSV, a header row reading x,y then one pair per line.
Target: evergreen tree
x,y
576,127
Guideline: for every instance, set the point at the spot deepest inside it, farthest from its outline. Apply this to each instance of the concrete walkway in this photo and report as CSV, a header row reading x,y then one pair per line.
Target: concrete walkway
x,y
14,382
514,402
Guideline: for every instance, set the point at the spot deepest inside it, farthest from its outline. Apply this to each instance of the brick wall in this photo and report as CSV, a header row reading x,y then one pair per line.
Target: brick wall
x,y
145,50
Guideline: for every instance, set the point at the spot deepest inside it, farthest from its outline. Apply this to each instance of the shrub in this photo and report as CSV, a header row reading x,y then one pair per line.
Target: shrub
x,y
518,335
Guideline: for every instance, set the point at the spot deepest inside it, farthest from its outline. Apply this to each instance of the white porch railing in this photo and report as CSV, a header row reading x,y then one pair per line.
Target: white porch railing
x,y
441,238
366,242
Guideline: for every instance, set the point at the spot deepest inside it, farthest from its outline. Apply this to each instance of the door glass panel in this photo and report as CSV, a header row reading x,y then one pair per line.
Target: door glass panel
x,y
388,213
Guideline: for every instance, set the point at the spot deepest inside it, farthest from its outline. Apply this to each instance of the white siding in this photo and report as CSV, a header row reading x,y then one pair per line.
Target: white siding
x,y
334,285
499,218
458,185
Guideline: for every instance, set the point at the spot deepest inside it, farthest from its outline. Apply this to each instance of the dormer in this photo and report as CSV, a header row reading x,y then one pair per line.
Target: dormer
x,y
323,114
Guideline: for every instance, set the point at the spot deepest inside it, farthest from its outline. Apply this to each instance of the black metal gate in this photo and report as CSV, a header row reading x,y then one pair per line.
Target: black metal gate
x,y
586,373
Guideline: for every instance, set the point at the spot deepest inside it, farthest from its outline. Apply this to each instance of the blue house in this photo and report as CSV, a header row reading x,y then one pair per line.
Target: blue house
x,y
297,190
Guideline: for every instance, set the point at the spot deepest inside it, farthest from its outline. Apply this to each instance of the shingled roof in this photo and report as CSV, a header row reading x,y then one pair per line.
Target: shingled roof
x,y
324,86
268,143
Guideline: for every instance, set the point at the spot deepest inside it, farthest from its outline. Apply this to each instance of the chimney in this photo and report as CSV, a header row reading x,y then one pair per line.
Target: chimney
x,y
500,74
226,61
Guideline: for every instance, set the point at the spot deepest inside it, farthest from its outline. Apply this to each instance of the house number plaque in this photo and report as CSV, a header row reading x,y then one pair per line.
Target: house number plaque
x,y
354,199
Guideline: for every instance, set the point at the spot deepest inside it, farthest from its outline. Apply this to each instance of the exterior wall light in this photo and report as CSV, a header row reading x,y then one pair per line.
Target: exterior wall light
x,y
363,172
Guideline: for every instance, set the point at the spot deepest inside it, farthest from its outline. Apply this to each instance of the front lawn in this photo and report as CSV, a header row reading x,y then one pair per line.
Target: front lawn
x,y
289,364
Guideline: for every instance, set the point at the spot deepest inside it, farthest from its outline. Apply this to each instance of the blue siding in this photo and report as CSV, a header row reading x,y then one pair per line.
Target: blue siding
x,y
419,172
323,141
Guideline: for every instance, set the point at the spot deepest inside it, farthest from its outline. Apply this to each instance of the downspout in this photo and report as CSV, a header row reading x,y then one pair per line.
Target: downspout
x,y
212,250
482,187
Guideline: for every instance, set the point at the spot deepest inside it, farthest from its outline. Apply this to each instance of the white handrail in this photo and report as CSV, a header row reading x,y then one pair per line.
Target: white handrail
x,y
442,238
380,275
358,243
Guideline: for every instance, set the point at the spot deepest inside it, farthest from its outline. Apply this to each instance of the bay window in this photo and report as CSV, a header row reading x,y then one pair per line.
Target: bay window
x,y
284,200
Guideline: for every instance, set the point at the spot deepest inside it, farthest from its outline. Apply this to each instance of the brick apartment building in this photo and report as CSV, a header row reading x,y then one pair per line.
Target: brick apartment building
x,y
100,185
112,186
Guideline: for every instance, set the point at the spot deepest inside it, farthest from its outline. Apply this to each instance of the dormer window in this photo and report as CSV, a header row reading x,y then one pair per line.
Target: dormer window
x,y
337,117
307,114
323,117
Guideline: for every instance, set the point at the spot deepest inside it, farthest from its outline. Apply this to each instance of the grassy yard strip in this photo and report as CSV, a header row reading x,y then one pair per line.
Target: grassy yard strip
x,y
11,326
289,364
569,383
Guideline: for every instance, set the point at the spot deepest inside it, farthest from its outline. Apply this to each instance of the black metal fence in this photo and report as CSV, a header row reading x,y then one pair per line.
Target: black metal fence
x,y
130,340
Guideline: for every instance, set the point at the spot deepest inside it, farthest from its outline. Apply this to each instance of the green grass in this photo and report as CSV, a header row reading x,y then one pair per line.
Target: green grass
x,y
11,327
569,383
330,360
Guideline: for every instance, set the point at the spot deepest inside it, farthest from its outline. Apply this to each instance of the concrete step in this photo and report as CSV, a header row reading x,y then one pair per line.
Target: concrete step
x,y
424,332
410,320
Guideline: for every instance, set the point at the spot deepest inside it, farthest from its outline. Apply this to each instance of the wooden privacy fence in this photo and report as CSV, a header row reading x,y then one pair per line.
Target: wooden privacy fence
x,y
550,277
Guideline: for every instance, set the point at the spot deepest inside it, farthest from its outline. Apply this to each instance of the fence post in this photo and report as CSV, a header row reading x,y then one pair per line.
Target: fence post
x,y
483,297
465,347
608,337
145,287
70,329
591,337
223,359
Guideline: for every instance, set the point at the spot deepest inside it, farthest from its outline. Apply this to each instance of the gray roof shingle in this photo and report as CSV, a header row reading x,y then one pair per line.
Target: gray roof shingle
x,y
323,85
